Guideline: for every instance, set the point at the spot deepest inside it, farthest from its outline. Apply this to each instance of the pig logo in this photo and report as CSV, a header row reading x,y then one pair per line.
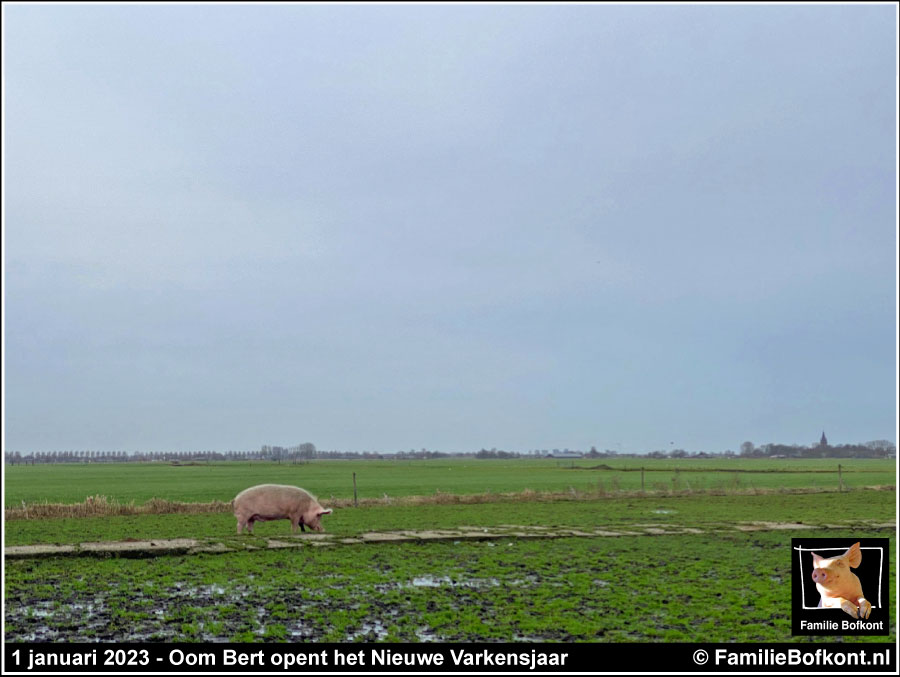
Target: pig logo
x,y
838,586
828,580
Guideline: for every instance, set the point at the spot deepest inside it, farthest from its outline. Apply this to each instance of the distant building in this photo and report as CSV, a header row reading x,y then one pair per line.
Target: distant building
x,y
566,454
824,441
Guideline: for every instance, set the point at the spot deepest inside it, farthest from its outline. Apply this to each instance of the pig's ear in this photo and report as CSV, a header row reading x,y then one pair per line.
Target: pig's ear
x,y
853,555
324,512
816,559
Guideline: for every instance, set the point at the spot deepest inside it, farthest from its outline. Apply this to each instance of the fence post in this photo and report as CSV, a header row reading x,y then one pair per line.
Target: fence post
x,y
840,479
355,504
642,480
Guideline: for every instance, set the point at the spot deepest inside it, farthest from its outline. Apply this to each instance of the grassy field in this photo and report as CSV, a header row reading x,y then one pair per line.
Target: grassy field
x,y
71,483
711,587
712,583
857,509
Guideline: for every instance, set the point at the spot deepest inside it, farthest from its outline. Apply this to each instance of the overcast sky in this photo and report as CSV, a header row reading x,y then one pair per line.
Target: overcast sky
x,y
449,226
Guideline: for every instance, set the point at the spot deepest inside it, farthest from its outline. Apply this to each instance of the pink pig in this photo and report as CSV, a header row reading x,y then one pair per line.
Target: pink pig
x,y
838,585
275,502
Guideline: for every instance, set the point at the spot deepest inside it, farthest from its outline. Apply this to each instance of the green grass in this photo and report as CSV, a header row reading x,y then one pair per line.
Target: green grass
x,y
856,507
710,588
139,482
719,585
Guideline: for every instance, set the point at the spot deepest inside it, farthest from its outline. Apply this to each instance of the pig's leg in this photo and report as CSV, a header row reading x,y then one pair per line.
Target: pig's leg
x,y
250,525
864,607
848,606
294,523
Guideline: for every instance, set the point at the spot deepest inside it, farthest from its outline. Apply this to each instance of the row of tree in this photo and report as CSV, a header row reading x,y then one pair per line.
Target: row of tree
x,y
307,451
873,449
295,454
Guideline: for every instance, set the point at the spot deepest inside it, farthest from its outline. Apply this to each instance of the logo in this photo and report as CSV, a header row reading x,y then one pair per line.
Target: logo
x,y
840,586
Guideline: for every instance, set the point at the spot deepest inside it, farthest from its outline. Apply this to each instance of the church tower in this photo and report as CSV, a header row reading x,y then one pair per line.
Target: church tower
x,y
824,441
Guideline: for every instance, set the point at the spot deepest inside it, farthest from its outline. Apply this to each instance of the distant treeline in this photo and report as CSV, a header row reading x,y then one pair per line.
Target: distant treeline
x,y
299,453
305,452
874,449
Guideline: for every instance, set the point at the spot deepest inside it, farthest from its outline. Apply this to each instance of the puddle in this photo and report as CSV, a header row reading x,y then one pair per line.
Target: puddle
x,y
39,613
438,581
210,589
367,630
203,591
430,582
49,621
530,579
54,609
302,633
427,635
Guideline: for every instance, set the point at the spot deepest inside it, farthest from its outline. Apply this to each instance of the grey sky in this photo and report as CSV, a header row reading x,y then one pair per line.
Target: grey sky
x,y
447,226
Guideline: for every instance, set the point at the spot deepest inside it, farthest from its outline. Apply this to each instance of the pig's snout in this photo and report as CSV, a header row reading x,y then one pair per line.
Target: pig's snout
x,y
820,576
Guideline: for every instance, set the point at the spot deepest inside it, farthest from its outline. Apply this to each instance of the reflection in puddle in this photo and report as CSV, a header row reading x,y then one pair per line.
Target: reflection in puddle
x,y
437,581
368,629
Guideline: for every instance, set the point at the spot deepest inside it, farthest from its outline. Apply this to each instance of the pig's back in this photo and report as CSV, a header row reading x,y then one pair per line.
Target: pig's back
x,y
272,496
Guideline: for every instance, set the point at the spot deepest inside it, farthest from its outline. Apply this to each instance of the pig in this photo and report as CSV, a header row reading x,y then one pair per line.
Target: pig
x,y
838,585
278,501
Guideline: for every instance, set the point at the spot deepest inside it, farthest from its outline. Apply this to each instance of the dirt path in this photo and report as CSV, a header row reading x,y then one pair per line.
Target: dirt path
x,y
155,547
